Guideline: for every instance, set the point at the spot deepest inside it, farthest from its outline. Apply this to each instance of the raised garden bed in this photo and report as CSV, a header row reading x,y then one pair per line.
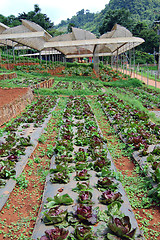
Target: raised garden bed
x,y
73,152
4,76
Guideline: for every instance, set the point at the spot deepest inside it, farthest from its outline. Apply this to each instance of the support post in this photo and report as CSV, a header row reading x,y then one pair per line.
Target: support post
x,y
117,61
96,59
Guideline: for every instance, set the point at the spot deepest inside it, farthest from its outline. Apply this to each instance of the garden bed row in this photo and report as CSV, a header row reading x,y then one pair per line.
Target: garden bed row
x,y
137,132
10,66
149,100
19,140
82,190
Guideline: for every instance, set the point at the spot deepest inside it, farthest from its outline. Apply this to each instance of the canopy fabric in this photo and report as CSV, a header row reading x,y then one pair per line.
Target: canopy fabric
x,y
78,43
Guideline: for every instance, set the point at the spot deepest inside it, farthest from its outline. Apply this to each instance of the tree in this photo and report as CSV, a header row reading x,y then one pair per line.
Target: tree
x,y
37,17
70,25
151,40
81,12
149,34
120,16
10,21
138,27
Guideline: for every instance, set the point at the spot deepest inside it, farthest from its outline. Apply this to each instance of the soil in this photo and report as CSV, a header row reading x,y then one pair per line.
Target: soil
x,y
11,66
11,94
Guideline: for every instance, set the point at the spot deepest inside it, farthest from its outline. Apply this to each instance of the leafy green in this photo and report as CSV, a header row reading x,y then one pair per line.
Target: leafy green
x,y
65,199
83,186
60,177
54,216
121,227
84,233
108,197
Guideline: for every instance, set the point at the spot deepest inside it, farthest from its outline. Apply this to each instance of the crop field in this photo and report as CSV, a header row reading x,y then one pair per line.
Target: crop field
x,y
82,161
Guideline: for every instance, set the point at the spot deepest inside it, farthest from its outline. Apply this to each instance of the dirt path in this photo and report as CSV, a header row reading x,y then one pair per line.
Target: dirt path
x,y
144,79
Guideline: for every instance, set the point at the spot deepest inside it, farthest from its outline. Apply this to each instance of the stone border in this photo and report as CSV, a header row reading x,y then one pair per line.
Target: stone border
x,y
4,76
15,107
44,84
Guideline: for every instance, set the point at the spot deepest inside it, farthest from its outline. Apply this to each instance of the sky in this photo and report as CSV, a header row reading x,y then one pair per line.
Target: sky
x,y
56,10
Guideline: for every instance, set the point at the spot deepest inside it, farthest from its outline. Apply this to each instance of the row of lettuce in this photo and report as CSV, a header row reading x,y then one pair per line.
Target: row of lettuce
x,y
81,159
138,133
12,144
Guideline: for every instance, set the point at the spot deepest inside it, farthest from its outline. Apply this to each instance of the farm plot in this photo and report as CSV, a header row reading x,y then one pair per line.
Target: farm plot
x,y
23,82
18,140
76,86
72,120
137,132
24,79
83,177
73,154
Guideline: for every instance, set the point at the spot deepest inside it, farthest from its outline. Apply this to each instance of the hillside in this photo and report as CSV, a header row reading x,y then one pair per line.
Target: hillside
x,y
141,10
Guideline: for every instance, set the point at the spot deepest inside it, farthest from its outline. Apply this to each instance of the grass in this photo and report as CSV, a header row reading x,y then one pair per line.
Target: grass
x,y
131,82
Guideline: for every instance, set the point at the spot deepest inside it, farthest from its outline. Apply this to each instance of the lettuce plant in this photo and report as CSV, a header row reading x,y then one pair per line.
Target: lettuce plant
x,y
108,197
60,177
121,227
100,163
83,186
85,197
82,175
81,155
86,214
84,233
55,234
106,183
83,165
25,141
6,171
54,215
65,199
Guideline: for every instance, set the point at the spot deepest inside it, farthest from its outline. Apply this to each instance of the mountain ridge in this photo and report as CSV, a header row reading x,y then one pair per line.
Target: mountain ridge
x,y
141,10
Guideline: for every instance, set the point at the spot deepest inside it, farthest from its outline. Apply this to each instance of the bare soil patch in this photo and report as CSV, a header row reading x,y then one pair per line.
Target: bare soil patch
x,y
10,94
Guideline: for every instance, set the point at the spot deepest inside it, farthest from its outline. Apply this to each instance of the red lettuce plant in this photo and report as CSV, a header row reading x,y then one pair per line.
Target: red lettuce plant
x,y
54,215
121,227
108,197
55,234
85,197
100,163
60,177
106,183
82,175
86,214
